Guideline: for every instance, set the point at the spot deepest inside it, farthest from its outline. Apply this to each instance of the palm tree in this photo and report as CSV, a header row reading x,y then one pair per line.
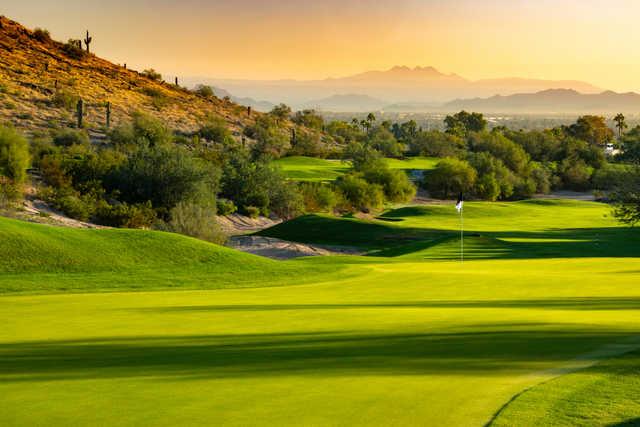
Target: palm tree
x,y
620,124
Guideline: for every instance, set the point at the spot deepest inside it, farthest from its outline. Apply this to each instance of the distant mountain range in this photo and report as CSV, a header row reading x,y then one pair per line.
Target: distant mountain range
x,y
551,101
399,84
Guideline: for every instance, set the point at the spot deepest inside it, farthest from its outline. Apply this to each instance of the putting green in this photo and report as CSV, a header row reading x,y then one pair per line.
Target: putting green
x,y
411,338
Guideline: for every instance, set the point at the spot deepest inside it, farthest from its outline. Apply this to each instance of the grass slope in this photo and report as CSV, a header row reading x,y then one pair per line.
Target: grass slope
x,y
40,258
395,340
300,168
606,394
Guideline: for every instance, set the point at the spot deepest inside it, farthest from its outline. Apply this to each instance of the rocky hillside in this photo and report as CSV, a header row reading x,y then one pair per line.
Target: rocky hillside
x,y
41,80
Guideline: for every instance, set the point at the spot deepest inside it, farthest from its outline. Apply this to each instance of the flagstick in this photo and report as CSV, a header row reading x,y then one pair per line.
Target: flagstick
x,y
461,236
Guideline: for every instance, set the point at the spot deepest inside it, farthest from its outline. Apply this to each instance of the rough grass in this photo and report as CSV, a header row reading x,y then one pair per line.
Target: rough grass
x,y
398,339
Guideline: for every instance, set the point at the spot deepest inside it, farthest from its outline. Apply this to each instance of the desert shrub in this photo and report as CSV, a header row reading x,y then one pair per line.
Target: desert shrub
x,y
71,203
395,184
152,74
124,215
271,140
41,35
308,144
251,211
308,118
53,172
25,116
164,176
281,111
358,194
158,97
318,197
65,98
360,155
143,131
382,140
196,221
225,207
258,183
9,192
205,91
14,155
69,137
215,129
73,49
437,144
450,177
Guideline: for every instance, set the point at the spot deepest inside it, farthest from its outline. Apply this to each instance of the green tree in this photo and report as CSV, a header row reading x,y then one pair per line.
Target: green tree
x,y
592,129
463,122
450,177
14,155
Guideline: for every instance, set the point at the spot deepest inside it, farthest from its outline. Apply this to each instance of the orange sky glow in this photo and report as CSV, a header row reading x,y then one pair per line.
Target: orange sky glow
x,y
591,40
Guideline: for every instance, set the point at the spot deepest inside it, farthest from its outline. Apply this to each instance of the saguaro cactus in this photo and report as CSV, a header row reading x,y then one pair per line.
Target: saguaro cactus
x,y
108,114
249,111
87,41
80,112
293,136
176,81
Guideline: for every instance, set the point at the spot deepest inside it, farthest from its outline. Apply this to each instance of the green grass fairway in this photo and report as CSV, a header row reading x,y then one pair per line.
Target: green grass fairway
x,y
409,337
299,168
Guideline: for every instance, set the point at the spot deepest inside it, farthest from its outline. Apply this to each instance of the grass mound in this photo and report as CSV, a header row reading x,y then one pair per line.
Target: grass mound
x,y
39,258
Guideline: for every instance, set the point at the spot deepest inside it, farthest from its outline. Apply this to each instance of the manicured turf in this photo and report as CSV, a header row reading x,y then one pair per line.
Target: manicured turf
x,y
413,337
301,168
605,394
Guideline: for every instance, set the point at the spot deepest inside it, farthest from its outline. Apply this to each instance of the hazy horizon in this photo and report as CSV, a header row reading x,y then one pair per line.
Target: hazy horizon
x,y
283,39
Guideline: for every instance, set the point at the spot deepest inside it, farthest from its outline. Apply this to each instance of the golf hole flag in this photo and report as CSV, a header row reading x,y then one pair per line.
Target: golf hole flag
x,y
459,203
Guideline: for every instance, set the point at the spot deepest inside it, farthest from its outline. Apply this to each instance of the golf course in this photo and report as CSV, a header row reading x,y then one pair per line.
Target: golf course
x,y
301,168
538,325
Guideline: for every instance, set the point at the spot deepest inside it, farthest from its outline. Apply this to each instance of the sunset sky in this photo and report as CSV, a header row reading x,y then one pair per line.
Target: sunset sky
x,y
591,40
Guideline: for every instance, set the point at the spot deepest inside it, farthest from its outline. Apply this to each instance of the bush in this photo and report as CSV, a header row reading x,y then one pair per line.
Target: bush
x,y
358,194
73,49
271,140
69,137
196,221
151,74
9,192
65,99
143,131
382,140
215,129
139,215
309,118
163,176
449,178
14,155
41,35
225,207
437,144
205,91
395,183
360,155
251,211
71,203
308,144
575,174
318,197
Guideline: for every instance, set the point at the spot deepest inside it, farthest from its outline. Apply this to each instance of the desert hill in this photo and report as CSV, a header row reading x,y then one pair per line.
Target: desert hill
x,y
40,81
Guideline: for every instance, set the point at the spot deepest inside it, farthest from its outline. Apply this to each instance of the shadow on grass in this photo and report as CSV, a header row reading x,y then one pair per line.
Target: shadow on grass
x,y
385,239
586,303
489,350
